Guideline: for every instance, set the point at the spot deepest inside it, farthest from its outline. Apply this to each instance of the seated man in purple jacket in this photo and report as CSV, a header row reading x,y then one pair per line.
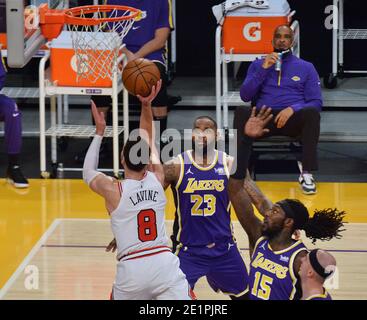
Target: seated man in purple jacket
x,y
292,90
10,114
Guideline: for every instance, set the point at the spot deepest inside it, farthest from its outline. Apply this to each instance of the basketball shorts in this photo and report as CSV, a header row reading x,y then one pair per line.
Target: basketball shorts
x,y
155,277
226,273
160,100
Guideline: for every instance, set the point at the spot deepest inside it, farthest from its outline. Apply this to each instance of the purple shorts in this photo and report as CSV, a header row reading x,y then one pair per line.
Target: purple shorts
x,y
226,272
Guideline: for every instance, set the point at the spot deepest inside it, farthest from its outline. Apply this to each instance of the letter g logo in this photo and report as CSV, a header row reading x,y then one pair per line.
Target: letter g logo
x,y
252,31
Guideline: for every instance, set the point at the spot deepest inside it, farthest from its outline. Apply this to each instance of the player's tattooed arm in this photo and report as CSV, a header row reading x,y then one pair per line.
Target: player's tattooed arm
x,y
171,172
260,201
241,203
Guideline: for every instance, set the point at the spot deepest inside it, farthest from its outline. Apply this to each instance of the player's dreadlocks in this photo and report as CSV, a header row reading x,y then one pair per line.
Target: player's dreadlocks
x,y
324,225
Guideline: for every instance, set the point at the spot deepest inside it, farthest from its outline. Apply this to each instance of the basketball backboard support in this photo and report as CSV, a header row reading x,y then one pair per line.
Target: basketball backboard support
x,y
23,33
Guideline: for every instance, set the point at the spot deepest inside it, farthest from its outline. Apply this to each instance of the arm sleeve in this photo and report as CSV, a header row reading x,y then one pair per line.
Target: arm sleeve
x,y
164,19
256,76
91,160
312,92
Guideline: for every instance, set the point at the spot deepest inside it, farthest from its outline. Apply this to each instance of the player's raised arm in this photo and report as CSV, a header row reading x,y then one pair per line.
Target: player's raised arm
x,y
97,181
238,195
258,198
147,131
242,205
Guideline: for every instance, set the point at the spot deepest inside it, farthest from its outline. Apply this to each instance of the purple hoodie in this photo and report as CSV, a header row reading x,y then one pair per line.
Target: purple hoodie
x,y
296,86
2,72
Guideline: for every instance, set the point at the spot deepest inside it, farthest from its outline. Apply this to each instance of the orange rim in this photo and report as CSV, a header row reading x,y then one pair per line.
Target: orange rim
x,y
72,16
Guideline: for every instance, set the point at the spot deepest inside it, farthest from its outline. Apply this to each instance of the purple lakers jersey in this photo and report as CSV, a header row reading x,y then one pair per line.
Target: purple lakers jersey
x,y
202,203
271,272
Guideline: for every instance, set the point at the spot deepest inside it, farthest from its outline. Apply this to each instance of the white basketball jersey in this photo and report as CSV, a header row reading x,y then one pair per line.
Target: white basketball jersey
x,y
138,223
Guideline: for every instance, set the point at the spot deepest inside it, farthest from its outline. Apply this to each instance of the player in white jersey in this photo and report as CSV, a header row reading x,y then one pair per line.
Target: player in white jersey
x,y
146,268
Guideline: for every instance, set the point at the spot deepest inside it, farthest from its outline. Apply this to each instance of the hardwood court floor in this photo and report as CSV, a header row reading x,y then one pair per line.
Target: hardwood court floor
x,y
60,227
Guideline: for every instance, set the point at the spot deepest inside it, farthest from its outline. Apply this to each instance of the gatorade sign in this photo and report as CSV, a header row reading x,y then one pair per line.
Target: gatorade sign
x,y
252,31
250,35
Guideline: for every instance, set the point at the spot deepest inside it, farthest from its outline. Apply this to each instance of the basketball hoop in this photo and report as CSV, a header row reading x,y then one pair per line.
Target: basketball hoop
x,y
97,34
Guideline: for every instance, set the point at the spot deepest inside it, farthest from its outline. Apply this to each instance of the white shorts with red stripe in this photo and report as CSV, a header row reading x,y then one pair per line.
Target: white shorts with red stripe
x,y
150,276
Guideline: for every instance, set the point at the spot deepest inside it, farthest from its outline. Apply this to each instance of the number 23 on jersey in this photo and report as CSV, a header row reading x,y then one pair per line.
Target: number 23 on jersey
x,y
197,200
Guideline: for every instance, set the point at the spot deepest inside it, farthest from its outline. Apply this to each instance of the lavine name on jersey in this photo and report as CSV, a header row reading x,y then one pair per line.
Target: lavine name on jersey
x,y
144,195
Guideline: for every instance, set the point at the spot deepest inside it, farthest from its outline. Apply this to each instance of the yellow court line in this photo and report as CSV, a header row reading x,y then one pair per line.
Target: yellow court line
x,y
25,215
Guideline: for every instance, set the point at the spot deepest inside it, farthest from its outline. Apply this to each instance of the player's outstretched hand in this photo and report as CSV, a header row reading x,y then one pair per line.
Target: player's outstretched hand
x,y
147,100
99,119
255,126
112,246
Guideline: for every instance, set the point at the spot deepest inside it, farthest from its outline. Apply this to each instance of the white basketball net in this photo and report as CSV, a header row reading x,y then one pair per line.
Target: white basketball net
x,y
97,47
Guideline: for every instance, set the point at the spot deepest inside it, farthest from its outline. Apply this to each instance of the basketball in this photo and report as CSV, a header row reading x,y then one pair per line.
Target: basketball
x,y
139,76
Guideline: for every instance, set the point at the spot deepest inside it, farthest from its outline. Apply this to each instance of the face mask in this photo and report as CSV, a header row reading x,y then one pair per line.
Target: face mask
x,y
284,53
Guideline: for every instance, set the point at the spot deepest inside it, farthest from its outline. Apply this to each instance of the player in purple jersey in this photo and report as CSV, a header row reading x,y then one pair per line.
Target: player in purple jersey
x,y
275,255
204,237
315,269
12,117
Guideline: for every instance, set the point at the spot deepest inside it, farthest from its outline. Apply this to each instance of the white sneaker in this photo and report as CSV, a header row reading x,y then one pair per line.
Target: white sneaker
x,y
307,183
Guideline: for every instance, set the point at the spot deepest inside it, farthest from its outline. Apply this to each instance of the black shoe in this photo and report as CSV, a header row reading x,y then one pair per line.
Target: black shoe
x,y
15,176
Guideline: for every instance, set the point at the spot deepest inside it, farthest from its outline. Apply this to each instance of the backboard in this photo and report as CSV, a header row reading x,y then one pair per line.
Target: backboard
x,y
23,34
